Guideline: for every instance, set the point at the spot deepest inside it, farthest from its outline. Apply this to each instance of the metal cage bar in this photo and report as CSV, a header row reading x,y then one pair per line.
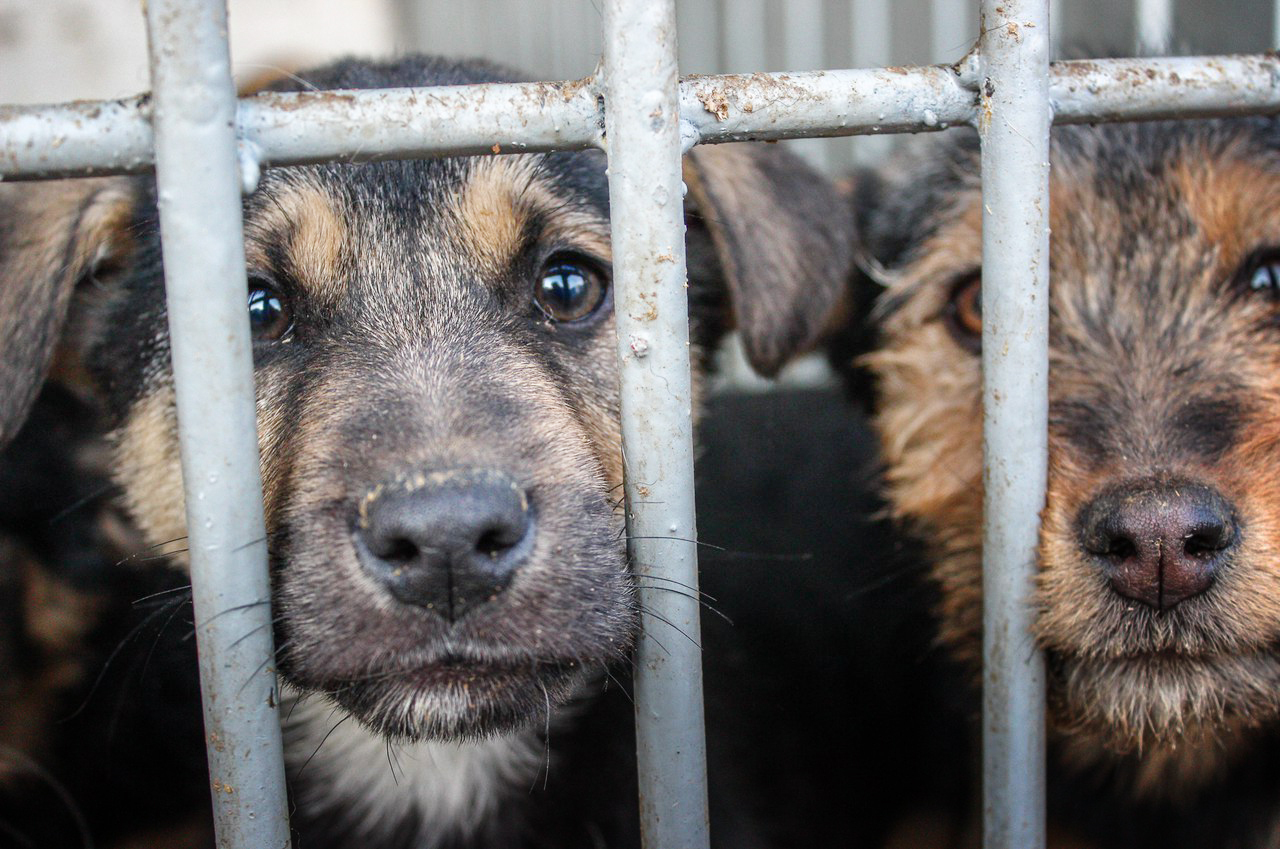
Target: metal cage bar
x,y
113,137
1008,90
1152,25
198,184
646,210
1014,121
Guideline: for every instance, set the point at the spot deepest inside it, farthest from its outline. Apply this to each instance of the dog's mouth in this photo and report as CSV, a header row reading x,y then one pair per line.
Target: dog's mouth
x,y
1136,700
454,696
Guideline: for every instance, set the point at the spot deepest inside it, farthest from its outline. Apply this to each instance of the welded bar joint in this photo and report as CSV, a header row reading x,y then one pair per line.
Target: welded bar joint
x,y
198,186
1014,123
113,137
643,140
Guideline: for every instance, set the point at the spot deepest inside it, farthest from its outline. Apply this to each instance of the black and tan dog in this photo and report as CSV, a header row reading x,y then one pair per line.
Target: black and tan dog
x,y
100,737
1159,559
437,396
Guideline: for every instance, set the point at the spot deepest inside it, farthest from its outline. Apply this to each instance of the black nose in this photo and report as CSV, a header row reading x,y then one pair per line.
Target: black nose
x,y
1159,543
447,541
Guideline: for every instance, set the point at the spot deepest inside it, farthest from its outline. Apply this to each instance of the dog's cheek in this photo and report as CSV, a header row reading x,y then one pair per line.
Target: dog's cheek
x,y
148,466
594,399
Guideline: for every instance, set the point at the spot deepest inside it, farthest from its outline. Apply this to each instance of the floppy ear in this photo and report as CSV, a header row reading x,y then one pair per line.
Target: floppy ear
x,y
783,240
877,244
52,236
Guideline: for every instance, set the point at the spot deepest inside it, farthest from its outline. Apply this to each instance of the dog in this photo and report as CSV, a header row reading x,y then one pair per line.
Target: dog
x,y
438,424
100,728
1157,593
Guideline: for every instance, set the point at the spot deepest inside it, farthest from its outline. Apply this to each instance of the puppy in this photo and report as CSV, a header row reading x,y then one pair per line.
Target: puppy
x,y
1158,599
100,735
438,425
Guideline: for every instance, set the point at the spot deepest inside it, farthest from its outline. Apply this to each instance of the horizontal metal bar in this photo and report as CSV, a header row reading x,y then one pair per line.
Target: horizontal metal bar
x,y
112,137
742,107
415,122
1097,91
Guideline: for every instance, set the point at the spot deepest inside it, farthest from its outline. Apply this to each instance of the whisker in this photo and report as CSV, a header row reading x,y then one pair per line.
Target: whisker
x,y
323,741
102,673
683,539
648,611
700,602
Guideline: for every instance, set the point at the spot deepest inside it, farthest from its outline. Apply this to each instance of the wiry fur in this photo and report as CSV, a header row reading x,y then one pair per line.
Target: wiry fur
x,y
416,350
1163,367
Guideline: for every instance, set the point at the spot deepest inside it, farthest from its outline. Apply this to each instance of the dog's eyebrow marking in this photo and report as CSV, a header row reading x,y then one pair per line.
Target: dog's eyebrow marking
x,y
506,201
301,225
492,209
1232,200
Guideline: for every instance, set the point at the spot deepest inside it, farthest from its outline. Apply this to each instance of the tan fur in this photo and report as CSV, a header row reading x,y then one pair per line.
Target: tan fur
x,y
309,222
147,467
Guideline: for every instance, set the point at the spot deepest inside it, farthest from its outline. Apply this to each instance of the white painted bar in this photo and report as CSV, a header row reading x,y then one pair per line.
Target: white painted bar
x,y
198,185
1152,26
646,208
38,142
1014,125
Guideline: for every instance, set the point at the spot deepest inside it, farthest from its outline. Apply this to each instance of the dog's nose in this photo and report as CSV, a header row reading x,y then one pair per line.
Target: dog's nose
x,y
1159,543
446,541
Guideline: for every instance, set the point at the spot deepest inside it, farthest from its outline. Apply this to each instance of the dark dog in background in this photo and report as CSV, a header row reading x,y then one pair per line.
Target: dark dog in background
x,y
437,397
100,737
1159,594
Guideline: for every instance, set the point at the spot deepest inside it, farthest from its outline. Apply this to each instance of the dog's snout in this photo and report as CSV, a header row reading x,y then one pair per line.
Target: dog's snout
x,y
445,541
1159,543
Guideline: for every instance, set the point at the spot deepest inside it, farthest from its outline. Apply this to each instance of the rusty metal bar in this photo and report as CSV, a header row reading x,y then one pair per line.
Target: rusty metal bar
x,y
643,140
198,185
284,129
1014,127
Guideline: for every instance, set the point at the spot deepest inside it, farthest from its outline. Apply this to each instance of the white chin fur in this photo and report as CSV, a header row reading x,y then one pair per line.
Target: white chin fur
x,y
451,788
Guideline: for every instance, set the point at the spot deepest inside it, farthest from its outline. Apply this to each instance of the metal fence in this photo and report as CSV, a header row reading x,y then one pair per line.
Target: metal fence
x,y
206,148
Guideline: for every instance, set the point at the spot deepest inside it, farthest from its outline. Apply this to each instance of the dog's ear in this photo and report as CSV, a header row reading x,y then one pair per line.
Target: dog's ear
x,y
782,237
53,236
857,333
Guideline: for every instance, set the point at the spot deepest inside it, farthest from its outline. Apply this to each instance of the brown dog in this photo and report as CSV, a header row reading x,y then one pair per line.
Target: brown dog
x,y
1159,592
438,421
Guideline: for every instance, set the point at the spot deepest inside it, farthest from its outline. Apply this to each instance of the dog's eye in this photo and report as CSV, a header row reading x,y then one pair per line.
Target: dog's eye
x,y
569,289
269,316
1262,272
964,311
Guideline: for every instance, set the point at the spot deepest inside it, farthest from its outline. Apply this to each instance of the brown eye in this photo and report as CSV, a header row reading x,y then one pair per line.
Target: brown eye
x,y
964,311
269,315
569,289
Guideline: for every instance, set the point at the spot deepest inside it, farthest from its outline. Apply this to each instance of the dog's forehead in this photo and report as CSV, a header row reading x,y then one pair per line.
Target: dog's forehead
x,y
340,231
1160,209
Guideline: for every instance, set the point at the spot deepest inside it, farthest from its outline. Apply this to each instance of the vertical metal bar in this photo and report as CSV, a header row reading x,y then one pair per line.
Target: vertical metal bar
x,y
700,28
872,34
1058,27
645,199
803,50
1014,121
746,48
951,34
1153,26
200,223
